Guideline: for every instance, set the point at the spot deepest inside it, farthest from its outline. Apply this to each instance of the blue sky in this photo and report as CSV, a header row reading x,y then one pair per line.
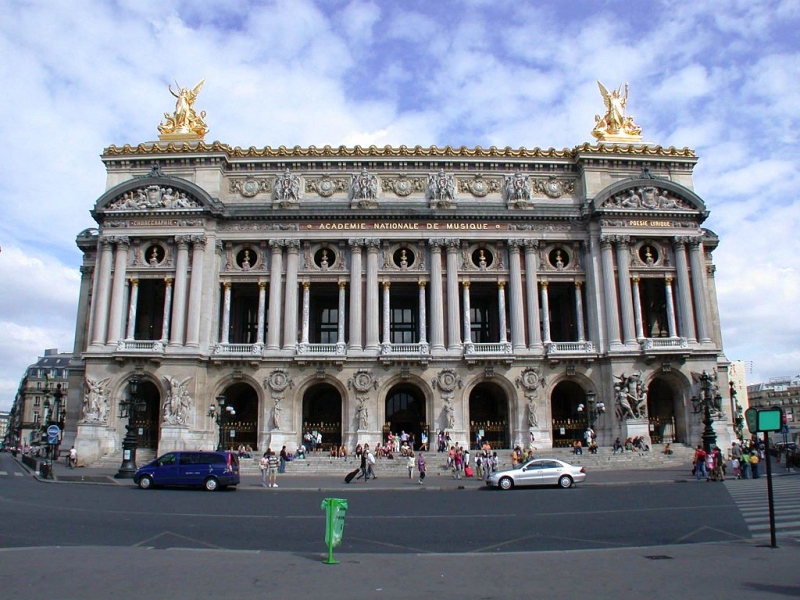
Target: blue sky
x,y
722,78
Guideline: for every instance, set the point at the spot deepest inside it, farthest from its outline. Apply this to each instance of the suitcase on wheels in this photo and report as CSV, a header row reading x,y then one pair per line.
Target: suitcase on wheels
x,y
349,477
468,471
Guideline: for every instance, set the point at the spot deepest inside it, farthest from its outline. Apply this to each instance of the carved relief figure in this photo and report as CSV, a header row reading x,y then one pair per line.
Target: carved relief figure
x,y
362,413
518,189
178,403
364,188
442,189
287,187
631,397
95,402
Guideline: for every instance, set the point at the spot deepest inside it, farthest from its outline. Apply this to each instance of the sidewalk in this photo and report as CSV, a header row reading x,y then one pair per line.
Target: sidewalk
x,y
436,480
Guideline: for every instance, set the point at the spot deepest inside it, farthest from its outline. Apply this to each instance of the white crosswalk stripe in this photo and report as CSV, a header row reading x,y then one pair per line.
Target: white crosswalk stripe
x,y
750,496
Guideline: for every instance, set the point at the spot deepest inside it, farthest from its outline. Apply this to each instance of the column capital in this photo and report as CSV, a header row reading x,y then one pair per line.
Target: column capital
x,y
465,283
578,284
544,283
183,241
293,245
421,283
262,285
199,241
372,244
386,284
635,278
342,285
501,284
355,244
453,244
226,285
133,280
436,243
306,285
531,245
119,240
276,245
515,244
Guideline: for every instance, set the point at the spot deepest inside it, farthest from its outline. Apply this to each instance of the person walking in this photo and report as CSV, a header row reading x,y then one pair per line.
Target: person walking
x,y
370,465
410,464
72,458
421,467
363,465
754,460
272,471
284,457
264,466
699,462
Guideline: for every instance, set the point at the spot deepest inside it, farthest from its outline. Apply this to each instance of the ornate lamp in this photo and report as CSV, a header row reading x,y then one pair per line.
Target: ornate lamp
x,y
128,409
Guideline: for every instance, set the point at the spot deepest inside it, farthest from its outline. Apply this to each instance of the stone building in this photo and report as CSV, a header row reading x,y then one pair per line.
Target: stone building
x,y
357,291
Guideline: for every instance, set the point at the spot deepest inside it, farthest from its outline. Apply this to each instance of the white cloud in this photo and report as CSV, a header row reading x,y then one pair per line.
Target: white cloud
x,y
719,77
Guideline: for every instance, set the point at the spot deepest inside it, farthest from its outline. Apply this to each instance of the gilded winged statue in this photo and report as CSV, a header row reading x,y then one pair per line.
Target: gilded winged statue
x,y
615,124
185,120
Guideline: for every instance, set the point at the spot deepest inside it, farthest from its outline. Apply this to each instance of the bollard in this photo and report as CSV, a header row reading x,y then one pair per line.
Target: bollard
x,y
335,511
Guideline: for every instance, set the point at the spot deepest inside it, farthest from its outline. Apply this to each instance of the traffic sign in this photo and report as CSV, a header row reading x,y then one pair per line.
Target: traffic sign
x,y
53,431
763,419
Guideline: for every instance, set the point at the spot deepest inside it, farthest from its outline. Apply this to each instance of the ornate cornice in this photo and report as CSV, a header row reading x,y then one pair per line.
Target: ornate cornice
x,y
391,152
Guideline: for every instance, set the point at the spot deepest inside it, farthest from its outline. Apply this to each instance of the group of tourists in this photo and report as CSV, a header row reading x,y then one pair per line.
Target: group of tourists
x,y
743,461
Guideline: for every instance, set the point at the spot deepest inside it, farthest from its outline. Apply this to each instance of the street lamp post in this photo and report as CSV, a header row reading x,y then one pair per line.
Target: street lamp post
x,y
128,409
220,414
593,409
709,400
738,416
53,415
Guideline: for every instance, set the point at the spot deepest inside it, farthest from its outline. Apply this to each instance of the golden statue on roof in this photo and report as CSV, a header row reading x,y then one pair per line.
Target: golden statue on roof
x,y
615,125
185,123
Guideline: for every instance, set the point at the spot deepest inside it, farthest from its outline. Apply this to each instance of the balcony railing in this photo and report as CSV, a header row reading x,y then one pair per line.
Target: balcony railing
x,y
321,349
140,346
405,349
585,347
239,349
673,343
488,348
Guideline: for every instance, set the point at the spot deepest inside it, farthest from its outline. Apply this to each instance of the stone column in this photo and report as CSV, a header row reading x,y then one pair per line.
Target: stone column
x,y
610,293
306,313
226,313
467,315
387,341
262,309
340,323
625,296
196,292
356,308
501,308
118,290
699,288
372,314
83,328
685,312
167,310
100,321
437,306
532,296
290,308
637,308
422,317
132,309
579,311
545,313
179,293
453,316
515,302
274,316
673,332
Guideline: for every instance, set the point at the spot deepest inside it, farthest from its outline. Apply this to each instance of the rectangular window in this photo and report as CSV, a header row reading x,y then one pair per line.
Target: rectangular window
x,y
37,400
329,326
403,324
35,417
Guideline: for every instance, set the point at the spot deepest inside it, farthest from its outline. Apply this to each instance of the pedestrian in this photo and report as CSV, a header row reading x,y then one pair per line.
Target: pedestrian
x,y
421,467
284,457
458,463
72,458
272,474
363,465
264,466
370,465
699,463
719,464
479,465
744,466
410,464
754,464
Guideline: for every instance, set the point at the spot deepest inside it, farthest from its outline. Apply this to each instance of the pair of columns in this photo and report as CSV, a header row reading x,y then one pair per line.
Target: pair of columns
x,y
691,292
112,290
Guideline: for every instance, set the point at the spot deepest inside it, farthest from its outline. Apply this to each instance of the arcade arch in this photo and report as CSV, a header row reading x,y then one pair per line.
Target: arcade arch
x,y
405,411
488,413
148,422
663,402
569,424
241,429
322,413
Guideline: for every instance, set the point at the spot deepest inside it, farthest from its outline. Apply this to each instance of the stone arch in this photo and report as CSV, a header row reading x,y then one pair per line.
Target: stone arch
x,y
666,407
490,409
192,191
405,409
322,410
568,423
424,386
148,422
683,193
243,428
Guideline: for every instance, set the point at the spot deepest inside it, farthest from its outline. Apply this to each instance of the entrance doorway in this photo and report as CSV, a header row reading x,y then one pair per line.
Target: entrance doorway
x,y
405,411
488,415
322,413
241,429
661,412
569,424
147,422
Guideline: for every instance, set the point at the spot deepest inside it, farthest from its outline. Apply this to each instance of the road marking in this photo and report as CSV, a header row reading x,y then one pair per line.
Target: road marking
x,y
750,496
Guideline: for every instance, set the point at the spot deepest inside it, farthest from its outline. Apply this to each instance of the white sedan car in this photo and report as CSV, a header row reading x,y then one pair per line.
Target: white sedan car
x,y
540,471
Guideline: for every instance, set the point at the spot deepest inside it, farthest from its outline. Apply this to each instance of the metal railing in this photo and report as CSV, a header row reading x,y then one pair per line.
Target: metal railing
x,y
585,347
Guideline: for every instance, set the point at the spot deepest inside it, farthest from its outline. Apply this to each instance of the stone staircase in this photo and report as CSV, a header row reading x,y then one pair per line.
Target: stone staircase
x,y
113,461
605,459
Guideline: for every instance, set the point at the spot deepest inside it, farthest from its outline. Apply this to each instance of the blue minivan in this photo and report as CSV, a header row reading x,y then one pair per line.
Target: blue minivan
x,y
211,470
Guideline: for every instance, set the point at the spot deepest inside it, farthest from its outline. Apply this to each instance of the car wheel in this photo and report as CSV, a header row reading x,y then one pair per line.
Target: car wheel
x,y
565,481
211,484
145,482
506,483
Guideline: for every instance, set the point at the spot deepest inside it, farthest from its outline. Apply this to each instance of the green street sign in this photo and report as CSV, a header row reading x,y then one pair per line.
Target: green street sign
x,y
763,419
